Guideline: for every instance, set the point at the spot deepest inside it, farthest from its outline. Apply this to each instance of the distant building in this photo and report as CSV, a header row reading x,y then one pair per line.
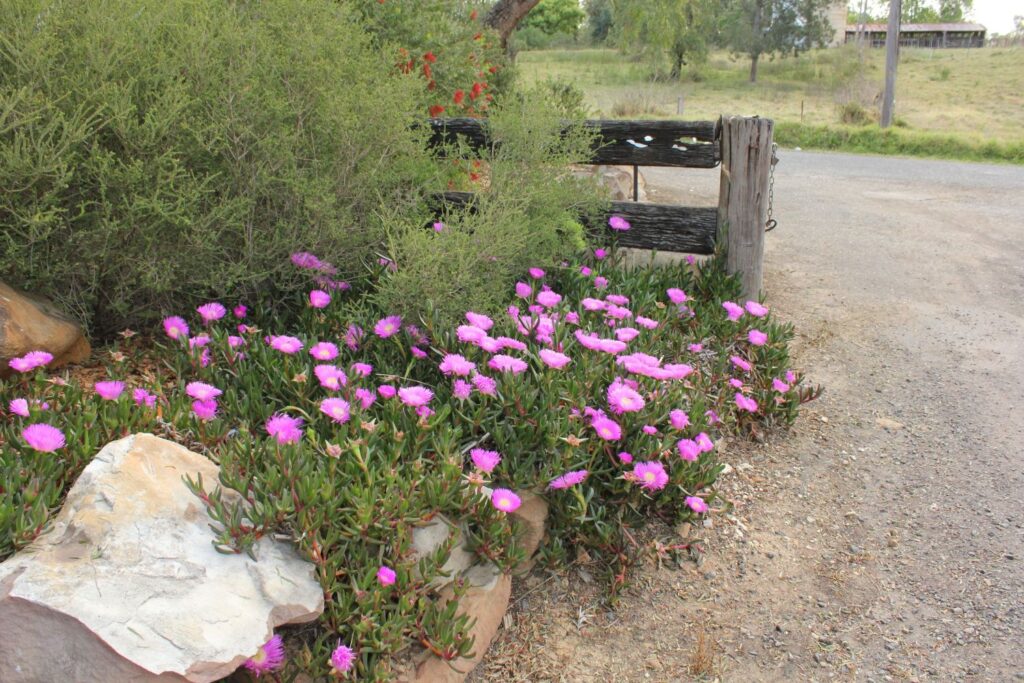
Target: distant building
x,y
920,35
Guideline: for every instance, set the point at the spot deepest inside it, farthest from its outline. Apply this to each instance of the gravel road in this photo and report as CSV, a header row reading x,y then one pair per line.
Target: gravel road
x,y
883,538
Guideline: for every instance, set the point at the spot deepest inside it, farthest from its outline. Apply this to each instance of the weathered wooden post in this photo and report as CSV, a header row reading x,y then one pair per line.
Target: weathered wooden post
x,y
743,196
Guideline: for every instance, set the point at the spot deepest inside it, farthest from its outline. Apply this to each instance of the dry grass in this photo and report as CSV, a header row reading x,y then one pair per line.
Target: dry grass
x,y
705,657
974,93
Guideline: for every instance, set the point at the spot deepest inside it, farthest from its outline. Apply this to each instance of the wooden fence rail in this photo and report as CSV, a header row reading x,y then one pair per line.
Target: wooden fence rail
x,y
743,147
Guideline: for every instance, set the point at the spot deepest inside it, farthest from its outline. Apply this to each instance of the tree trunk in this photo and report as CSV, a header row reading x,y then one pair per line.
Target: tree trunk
x,y
753,66
755,52
506,15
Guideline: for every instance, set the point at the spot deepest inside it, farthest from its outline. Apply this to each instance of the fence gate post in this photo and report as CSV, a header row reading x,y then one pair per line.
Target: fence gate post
x,y
743,196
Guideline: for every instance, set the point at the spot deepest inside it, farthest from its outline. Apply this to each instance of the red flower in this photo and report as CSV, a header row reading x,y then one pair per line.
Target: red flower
x,y
427,74
478,88
436,110
474,176
431,85
429,57
478,36
493,69
458,96
472,15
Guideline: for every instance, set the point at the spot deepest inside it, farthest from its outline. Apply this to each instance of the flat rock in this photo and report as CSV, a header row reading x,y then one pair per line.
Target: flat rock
x,y
485,602
127,586
427,539
32,323
532,515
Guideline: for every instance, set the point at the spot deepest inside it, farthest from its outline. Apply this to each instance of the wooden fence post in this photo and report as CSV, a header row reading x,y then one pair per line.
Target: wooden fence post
x,y
743,196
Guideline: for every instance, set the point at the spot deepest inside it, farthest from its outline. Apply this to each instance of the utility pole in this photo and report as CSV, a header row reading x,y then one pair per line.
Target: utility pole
x,y
892,55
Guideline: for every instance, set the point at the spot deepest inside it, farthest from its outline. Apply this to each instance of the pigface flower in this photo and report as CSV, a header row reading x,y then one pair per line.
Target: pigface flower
x,y
43,437
324,351
696,504
732,310
211,312
342,658
388,326
505,500
336,408
415,396
318,298
568,479
755,309
109,390
484,460
202,391
455,364
386,575
554,359
270,657
175,327
284,428
618,223
651,475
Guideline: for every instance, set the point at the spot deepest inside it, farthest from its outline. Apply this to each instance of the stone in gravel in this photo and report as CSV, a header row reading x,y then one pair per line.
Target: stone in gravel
x,y
127,585
888,424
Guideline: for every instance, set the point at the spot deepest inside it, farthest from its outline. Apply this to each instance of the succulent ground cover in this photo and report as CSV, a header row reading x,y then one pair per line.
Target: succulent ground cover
x,y
343,426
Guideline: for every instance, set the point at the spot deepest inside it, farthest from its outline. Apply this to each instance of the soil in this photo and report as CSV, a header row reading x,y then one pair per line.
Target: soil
x,y
882,538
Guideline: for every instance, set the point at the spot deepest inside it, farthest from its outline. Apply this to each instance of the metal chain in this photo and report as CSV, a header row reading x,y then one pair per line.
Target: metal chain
x,y
771,223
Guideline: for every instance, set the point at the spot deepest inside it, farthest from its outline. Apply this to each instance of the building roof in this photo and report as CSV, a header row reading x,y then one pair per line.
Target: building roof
x,y
916,28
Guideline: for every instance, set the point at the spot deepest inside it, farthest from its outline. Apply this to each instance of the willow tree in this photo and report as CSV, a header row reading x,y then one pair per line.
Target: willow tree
x,y
680,29
775,27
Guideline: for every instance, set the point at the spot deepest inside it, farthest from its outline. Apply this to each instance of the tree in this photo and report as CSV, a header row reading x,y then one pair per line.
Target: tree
x,y
506,15
555,16
600,19
769,27
915,12
680,28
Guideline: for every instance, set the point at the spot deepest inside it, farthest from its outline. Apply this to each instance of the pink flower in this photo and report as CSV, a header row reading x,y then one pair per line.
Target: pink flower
x,y
479,320
523,290
779,386
736,383
625,457
618,223
211,311
205,410
335,408
485,385
626,334
462,389
549,299
417,352
109,390
455,364
240,311
599,254
623,399
324,351
585,271
386,575
651,475
343,657
234,342
485,461
600,282
646,323
510,343
755,309
536,273
704,442
554,359
270,657
143,398
757,337
318,298
199,341
745,403
43,437
695,348
606,428
19,406
592,304
688,449
790,377
284,428
353,336
740,363
505,500
568,479
331,376
285,344
470,334
696,504
438,226
676,296
388,326
732,310
415,396
175,327
712,417
202,391
365,397
387,391
361,369
679,419
504,363
305,260
650,429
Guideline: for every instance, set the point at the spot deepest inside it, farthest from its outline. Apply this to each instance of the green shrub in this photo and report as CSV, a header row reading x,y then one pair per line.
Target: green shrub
x,y
855,114
155,152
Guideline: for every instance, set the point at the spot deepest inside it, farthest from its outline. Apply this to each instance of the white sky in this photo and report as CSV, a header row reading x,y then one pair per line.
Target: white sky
x,y
995,15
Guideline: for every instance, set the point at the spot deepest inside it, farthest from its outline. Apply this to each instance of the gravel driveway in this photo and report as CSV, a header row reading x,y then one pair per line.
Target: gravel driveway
x,y
883,538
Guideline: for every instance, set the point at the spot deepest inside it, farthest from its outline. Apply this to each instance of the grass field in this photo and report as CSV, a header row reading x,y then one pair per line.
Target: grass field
x,y
954,103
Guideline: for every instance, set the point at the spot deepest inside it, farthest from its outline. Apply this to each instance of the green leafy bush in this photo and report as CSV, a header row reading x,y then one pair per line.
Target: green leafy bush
x,y
154,152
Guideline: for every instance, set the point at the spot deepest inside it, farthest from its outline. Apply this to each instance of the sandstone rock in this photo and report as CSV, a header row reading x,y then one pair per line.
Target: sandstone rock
x,y
532,516
428,538
31,323
485,602
617,179
127,586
